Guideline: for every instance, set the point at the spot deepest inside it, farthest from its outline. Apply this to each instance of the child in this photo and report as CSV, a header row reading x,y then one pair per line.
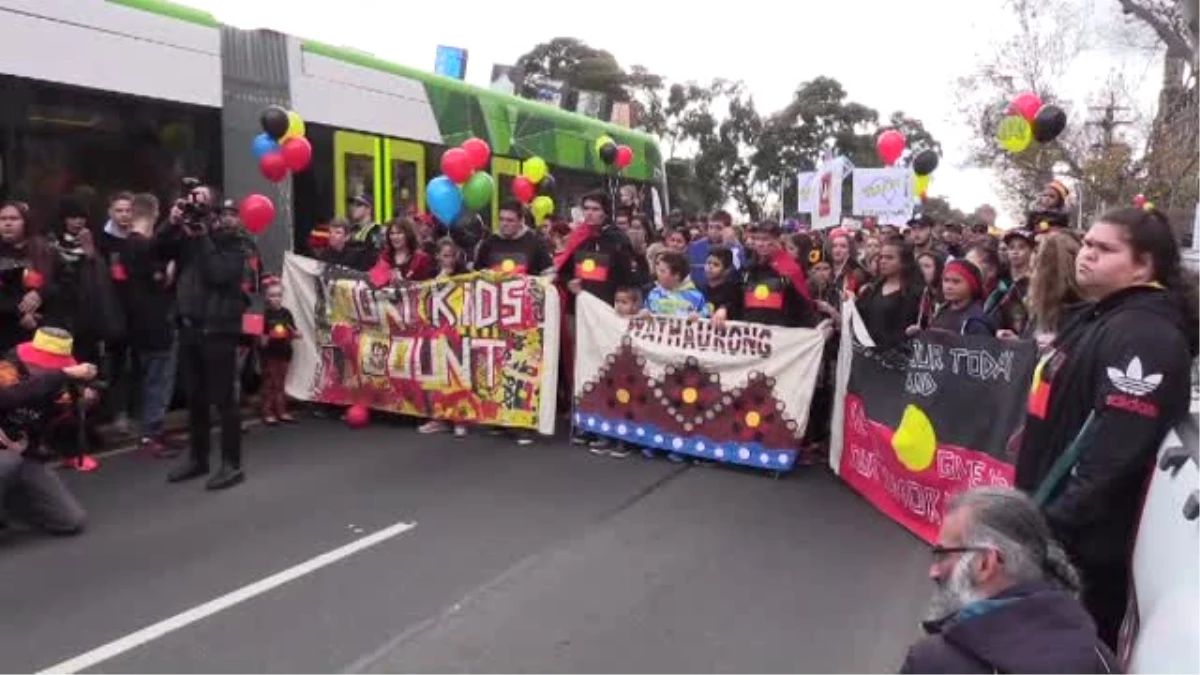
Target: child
x,y
627,302
276,352
675,294
723,289
962,312
451,262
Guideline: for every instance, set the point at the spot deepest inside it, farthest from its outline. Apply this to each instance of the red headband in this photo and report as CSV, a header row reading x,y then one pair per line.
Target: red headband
x,y
966,271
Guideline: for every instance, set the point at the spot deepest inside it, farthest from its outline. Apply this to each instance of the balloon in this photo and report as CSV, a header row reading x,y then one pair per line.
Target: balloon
x,y
624,156
890,146
608,153
297,153
925,163
456,164
444,198
1139,200
541,207
264,145
1014,133
358,416
273,167
1049,123
921,183
295,126
477,191
523,189
256,212
274,120
601,142
478,152
535,169
1026,105
546,187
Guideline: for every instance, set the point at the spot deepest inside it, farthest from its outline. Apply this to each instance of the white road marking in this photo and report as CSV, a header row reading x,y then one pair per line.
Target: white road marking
x,y
185,618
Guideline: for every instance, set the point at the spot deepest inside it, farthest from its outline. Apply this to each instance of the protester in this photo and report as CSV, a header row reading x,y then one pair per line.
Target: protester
x,y
849,276
931,266
892,303
674,293
402,259
697,251
275,352
26,275
343,251
962,310
1004,598
1053,288
1115,381
722,286
1010,311
775,289
628,304
514,248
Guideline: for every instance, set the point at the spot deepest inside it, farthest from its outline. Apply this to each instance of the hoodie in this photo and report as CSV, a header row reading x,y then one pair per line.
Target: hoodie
x,y
1028,628
679,301
1127,361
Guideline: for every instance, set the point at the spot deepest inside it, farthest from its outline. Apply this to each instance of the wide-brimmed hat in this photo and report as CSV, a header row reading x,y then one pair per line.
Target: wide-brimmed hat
x,y
50,348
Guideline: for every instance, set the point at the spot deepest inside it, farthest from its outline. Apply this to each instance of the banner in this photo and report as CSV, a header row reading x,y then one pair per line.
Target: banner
x,y
883,193
739,394
806,183
828,183
479,348
919,424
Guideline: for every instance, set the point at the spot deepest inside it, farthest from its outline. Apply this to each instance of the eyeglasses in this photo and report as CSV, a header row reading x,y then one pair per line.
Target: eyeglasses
x,y
941,552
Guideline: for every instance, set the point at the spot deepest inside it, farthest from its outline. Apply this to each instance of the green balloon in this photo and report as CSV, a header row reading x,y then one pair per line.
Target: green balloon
x,y
477,191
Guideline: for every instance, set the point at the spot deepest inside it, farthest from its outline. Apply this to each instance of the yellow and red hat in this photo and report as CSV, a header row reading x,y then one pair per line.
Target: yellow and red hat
x,y
50,348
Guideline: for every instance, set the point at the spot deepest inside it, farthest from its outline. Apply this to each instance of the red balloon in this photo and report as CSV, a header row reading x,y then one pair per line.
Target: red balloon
x,y
1139,200
297,153
1026,105
890,146
478,152
256,212
273,166
358,416
624,156
456,165
523,189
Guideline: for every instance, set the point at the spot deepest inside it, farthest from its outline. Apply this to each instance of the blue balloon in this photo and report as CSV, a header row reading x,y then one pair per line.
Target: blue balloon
x,y
264,145
444,198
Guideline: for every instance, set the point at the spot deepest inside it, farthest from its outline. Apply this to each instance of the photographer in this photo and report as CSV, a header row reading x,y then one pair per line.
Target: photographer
x,y
213,264
32,382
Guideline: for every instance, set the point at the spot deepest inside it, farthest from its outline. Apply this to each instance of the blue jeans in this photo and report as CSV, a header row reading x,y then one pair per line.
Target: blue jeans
x,y
158,385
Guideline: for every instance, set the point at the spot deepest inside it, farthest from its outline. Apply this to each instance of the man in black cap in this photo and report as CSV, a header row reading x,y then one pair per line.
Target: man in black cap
x,y
362,218
921,229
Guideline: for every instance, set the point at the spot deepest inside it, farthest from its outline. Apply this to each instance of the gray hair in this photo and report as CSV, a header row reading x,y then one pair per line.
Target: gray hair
x,y
1008,521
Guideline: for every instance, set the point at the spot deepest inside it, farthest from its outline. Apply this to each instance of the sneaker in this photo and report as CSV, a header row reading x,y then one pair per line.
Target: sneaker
x,y
620,451
648,453
157,448
460,430
601,446
82,463
675,458
433,427
523,438
581,437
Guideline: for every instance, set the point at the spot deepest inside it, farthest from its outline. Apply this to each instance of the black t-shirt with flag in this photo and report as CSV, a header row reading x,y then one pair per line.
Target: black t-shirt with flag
x,y
525,254
770,298
279,326
604,263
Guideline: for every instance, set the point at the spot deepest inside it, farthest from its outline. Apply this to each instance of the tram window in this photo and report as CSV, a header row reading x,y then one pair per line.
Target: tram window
x,y
360,175
404,188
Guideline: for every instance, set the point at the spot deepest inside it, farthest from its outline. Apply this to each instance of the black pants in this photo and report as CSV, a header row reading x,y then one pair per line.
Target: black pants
x,y
1105,591
209,364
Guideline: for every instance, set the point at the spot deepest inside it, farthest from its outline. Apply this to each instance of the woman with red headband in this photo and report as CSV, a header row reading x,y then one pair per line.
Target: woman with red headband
x,y
962,312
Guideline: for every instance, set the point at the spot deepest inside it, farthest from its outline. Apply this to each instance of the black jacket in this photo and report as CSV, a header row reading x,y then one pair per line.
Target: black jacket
x,y
1030,628
604,263
353,255
215,280
1128,358
772,299
150,300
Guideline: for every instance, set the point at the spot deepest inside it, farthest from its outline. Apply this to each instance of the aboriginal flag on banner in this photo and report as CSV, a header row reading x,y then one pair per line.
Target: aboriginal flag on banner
x,y
937,416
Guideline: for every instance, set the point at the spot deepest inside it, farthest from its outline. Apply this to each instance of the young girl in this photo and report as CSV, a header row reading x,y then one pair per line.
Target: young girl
x,y
962,312
723,287
450,262
931,265
276,352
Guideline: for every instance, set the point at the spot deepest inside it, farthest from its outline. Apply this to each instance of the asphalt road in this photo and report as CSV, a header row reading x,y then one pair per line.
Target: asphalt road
x,y
536,559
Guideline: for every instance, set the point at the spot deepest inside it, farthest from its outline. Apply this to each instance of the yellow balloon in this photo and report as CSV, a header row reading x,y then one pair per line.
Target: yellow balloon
x,y
601,142
535,169
542,206
914,441
921,183
1014,133
295,126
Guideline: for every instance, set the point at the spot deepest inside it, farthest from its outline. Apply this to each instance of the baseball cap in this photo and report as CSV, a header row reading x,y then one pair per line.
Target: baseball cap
x,y
362,198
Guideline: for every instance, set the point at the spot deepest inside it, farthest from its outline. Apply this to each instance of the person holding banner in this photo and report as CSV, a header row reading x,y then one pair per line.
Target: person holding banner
x,y
402,258
775,291
514,248
1115,380
892,303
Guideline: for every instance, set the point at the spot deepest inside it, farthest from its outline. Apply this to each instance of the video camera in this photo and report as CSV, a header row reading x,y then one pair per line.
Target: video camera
x,y
196,214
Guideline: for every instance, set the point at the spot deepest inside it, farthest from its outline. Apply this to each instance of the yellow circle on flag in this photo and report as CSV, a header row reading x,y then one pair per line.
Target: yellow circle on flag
x,y
622,396
689,396
589,265
915,441
761,292
753,419
508,266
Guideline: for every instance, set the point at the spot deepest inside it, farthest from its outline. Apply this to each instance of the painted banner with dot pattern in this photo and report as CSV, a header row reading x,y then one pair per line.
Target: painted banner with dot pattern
x,y
738,394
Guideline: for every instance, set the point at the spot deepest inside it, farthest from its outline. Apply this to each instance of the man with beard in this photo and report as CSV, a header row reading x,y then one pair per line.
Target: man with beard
x,y
921,231
1004,598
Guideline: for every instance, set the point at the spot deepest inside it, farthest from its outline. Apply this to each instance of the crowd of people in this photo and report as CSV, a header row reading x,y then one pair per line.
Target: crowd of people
x,y
1111,309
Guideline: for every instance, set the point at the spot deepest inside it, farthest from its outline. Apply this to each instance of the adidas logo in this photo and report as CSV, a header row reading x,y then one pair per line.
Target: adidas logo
x,y
1132,381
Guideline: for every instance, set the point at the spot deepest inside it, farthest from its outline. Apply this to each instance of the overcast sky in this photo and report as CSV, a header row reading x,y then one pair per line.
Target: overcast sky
x,y
889,55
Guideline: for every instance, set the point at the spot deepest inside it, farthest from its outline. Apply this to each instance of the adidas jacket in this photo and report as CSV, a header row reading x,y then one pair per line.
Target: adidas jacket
x,y
1128,358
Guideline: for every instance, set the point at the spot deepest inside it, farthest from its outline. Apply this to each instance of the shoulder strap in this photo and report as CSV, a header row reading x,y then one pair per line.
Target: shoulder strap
x,y
1065,462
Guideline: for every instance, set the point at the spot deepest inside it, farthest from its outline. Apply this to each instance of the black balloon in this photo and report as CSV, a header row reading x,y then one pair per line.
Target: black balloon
x,y
1049,123
925,163
546,187
608,153
274,121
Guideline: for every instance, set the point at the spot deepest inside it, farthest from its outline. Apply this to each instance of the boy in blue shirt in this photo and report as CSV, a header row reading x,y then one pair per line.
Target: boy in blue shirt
x,y
674,294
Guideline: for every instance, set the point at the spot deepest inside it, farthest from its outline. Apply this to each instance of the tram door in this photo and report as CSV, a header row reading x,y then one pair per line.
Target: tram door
x,y
404,174
357,169
504,170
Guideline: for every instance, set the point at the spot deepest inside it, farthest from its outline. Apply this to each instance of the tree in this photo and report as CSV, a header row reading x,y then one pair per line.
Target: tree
x,y
941,211
575,64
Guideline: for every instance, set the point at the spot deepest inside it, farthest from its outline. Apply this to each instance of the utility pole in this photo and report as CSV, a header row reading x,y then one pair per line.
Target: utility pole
x,y
1108,124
